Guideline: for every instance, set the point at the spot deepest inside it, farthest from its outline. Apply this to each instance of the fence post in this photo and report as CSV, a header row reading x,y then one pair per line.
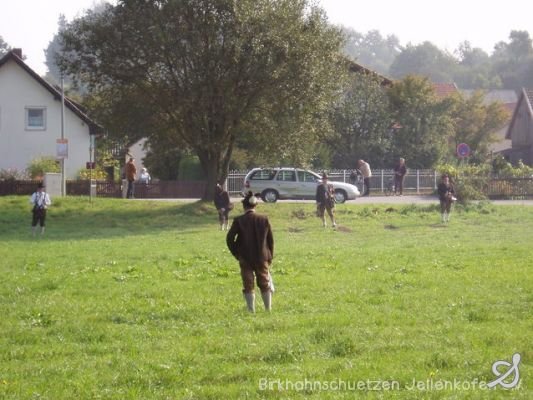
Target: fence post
x,y
382,187
417,181
435,181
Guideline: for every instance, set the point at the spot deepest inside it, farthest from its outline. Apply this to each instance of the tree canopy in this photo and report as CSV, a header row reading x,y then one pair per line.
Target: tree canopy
x,y
212,71
4,47
362,122
424,122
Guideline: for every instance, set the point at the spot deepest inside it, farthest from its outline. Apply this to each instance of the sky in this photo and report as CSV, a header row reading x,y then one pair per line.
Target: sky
x,y
32,24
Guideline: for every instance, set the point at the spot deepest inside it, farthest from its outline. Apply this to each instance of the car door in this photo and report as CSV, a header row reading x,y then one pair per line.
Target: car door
x,y
308,182
286,183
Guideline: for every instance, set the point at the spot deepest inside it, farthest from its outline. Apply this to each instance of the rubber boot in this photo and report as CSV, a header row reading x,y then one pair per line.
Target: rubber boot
x,y
267,300
250,301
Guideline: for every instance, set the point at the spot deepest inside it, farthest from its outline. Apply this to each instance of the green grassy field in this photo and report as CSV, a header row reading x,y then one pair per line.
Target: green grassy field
x,y
142,300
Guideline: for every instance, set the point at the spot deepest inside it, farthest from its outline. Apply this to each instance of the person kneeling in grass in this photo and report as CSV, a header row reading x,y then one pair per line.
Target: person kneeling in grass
x,y
250,240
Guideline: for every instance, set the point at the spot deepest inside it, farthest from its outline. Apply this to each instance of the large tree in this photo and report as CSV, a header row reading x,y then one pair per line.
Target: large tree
x,y
362,122
371,49
4,47
513,61
213,71
424,59
476,123
424,122
474,70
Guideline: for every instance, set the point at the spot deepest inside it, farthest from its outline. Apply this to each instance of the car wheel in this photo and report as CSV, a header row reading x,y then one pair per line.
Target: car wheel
x,y
269,196
340,196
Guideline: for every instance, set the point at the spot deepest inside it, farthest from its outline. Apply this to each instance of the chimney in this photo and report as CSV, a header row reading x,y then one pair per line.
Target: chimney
x,y
17,52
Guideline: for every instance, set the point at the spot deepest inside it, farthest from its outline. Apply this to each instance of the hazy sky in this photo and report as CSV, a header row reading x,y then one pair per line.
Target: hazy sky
x,y
31,24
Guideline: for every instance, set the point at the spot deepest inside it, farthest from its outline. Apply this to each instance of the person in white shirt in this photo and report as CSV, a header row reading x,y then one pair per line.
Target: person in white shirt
x,y
145,177
40,201
364,167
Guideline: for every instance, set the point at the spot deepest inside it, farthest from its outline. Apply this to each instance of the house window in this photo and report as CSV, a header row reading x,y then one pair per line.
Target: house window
x,y
35,118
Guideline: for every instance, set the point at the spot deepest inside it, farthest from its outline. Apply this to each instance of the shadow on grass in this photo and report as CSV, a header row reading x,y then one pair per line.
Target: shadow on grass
x,y
76,220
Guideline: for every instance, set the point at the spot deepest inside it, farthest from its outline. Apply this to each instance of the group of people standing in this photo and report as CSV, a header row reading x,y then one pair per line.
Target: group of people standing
x,y
130,174
251,242
363,170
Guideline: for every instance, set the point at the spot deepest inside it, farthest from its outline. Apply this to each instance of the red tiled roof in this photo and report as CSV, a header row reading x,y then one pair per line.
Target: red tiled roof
x,y
510,107
445,89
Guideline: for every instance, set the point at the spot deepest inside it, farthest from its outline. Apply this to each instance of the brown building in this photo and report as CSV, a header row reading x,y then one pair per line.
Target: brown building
x,y
520,130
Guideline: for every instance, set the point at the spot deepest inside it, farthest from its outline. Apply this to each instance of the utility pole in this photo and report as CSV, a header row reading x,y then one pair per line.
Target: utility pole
x,y
63,183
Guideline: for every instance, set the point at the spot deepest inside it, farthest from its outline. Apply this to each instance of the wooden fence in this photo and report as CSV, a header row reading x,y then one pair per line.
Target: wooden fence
x,y
156,190
417,182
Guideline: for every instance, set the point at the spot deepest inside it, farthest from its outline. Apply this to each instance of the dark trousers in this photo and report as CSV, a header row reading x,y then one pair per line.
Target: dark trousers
x,y
131,188
366,186
223,215
38,216
445,204
398,184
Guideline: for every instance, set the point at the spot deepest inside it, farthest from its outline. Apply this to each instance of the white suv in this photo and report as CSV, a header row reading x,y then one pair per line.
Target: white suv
x,y
292,183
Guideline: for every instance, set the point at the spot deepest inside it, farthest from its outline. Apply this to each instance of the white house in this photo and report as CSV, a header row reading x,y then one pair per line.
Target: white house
x,y
30,120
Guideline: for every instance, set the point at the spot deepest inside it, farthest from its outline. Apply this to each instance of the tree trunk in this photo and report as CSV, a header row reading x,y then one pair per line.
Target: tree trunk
x,y
211,171
215,163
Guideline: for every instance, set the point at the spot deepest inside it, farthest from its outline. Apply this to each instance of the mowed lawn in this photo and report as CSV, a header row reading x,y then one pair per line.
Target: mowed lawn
x,y
142,300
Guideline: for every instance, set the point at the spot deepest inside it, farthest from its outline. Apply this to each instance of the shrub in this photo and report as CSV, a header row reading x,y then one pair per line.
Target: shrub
x,y
39,166
11,174
471,181
98,173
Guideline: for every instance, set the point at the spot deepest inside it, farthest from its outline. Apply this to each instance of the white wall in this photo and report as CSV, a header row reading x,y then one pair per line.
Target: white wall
x,y
138,152
18,146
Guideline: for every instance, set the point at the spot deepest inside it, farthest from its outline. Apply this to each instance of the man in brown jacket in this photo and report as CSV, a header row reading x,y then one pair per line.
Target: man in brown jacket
x,y
250,240
130,171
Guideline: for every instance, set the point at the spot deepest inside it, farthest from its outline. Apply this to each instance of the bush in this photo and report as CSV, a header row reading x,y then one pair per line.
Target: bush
x,y
39,166
502,167
11,174
97,173
471,181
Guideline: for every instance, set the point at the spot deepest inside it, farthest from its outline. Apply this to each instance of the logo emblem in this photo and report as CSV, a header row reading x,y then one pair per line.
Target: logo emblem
x,y
501,376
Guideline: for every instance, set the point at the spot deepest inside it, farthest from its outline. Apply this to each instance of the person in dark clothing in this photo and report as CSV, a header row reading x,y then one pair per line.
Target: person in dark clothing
x,y
251,241
131,174
325,201
446,193
399,175
223,206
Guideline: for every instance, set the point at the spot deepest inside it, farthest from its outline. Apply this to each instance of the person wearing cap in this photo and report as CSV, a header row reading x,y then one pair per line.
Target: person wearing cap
x,y
40,201
131,172
251,241
325,201
446,193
